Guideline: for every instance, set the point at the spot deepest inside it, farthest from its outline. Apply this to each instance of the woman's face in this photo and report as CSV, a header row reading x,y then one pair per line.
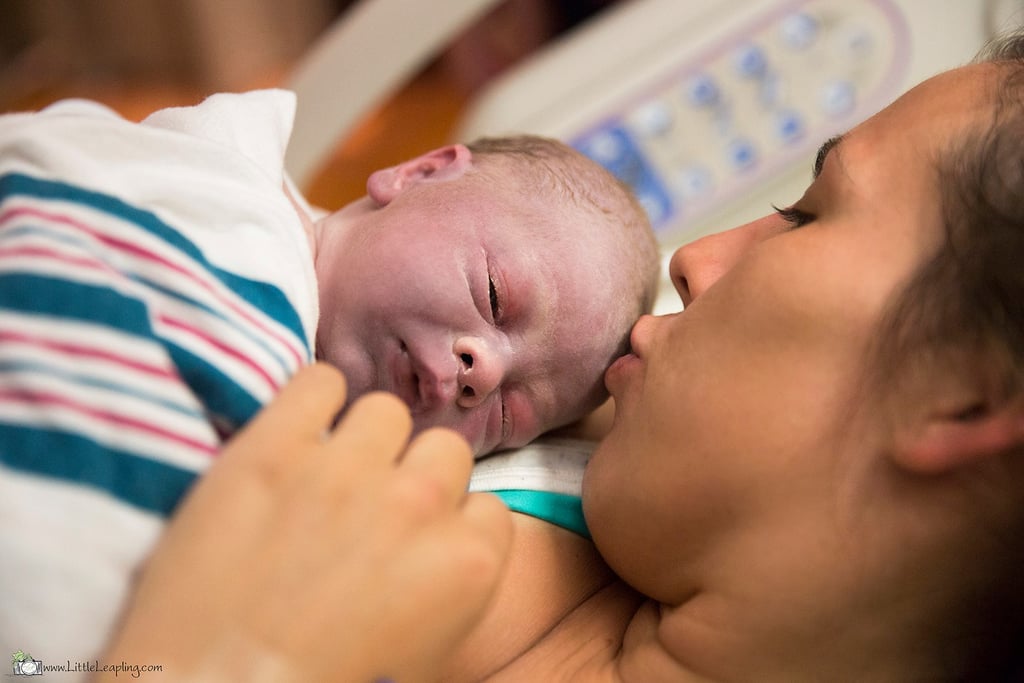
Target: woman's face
x,y
730,439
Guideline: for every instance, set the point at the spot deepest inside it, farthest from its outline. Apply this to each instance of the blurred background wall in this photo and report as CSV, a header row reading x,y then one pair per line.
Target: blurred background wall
x,y
140,55
120,45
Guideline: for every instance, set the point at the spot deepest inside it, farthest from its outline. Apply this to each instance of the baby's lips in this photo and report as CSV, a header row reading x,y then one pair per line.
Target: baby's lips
x,y
433,392
404,382
423,390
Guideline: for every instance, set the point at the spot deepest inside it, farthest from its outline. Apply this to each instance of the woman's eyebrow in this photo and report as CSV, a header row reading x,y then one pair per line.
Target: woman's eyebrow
x,y
828,146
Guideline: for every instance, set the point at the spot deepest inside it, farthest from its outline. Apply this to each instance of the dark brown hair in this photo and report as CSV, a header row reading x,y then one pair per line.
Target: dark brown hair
x,y
963,311
967,301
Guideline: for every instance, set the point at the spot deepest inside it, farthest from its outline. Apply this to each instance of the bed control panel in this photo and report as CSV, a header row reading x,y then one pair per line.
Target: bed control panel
x,y
747,106
711,111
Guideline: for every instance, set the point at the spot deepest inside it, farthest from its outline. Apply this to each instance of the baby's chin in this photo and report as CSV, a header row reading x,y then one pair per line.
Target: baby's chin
x,y
446,420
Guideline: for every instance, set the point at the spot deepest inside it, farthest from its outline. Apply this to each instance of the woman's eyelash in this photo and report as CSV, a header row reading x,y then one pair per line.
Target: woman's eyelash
x,y
795,217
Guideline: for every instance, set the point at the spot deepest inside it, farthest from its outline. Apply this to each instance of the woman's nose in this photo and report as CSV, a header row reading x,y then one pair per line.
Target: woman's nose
x,y
698,265
481,370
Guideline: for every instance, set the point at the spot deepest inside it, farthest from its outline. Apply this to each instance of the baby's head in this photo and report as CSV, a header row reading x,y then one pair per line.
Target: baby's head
x,y
489,286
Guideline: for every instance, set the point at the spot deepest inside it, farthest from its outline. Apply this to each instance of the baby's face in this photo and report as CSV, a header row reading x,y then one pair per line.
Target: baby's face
x,y
452,302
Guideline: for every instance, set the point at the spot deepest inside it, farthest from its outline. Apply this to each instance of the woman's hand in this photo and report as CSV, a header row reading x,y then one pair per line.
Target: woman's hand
x,y
306,554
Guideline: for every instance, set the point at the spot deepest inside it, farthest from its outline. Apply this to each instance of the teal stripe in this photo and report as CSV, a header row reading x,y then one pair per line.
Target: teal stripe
x,y
138,481
48,296
256,337
261,295
228,404
52,235
557,508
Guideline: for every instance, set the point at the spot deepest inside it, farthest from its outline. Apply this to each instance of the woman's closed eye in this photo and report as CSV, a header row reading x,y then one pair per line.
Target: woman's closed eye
x,y
797,218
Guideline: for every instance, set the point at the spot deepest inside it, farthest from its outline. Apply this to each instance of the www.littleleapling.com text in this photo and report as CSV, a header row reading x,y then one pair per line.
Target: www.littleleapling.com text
x,y
133,670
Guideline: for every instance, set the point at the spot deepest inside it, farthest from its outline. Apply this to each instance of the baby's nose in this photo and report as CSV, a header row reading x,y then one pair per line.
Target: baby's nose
x,y
481,370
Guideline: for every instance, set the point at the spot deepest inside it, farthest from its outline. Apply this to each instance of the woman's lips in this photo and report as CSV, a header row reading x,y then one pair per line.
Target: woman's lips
x,y
640,335
620,371
623,367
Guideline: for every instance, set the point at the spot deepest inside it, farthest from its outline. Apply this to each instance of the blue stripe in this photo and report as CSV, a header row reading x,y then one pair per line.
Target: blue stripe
x,y
23,230
136,480
223,398
229,405
244,329
12,367
48,296
557,508
51,235
261,295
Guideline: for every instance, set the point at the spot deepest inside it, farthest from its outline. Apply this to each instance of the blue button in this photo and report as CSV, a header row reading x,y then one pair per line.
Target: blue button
x,y
694,181
702,91
742,154
856,42
789,126
750,61
655,206
605,148
838,98
652,119
617,150
799,30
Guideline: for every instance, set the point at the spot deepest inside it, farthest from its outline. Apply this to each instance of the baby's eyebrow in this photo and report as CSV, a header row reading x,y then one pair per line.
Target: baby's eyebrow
x,y
826,147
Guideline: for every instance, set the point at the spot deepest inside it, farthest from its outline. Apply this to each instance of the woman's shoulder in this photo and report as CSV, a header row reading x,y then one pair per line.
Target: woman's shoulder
x,y
551,574
560,614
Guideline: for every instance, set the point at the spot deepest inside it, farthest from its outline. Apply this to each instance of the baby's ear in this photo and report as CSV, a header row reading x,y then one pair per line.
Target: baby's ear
x,y
443,163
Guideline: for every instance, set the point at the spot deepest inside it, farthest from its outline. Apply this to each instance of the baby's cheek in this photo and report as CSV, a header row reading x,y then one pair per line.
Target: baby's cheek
x,y
525,421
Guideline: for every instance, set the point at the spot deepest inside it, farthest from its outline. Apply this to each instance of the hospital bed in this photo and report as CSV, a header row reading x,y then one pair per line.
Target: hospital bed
x,y
709,109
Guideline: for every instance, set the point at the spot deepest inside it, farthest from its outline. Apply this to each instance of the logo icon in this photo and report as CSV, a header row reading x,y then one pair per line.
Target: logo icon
x,y
24,664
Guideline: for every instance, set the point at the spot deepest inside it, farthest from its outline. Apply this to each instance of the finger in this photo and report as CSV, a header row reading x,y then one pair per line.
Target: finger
x,y
491,519
442,456
283,430
375,428
306,405
462,564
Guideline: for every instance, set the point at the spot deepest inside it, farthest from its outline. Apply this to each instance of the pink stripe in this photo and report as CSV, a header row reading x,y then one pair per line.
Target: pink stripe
x,y
189,329
127,247
87,352
234,353
83,262
40,398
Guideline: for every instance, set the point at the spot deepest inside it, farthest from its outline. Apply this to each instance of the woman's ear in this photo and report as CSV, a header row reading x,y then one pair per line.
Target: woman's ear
x,y
945,441
443,163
